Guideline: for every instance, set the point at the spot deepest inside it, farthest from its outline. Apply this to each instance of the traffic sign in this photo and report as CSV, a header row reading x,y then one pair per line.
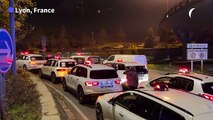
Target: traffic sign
x,y
197,45
6,51
197,54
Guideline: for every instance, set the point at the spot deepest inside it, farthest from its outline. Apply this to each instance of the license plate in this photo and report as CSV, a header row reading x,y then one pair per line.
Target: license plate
x,y
140,75
106,84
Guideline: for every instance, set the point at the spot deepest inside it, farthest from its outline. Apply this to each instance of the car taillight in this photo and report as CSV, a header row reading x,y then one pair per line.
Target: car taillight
x,y
209,97
32,62
91,83
118,82
88,62
61,70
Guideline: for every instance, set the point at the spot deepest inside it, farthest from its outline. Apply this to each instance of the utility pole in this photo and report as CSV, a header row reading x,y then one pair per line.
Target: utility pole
x,y
12,32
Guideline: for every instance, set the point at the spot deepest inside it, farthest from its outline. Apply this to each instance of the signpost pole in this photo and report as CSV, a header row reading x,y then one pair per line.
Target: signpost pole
x,y
192,65
12,30
2,95
201,66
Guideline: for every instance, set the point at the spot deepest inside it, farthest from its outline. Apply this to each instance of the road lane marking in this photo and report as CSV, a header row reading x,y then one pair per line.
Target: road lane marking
x,y
73,104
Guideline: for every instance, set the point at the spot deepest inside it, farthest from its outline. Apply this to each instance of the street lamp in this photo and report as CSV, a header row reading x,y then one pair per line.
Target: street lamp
x,y
167,8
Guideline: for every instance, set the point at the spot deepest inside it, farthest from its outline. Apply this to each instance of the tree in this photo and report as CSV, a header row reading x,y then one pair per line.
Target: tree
x,y
121,35
149,40
103,36
21,26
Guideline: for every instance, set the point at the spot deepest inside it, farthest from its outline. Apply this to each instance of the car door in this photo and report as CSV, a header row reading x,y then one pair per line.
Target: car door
x,y
123,104
19,61
80,77
71,77
45,67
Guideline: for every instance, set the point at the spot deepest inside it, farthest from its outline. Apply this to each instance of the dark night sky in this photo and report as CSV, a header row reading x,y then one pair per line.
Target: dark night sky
x,y
85,16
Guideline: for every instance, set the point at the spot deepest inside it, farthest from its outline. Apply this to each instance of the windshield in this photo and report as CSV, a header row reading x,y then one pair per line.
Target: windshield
x,y
103,74
36,58
95,60
208,88
79,60
139,69
67,64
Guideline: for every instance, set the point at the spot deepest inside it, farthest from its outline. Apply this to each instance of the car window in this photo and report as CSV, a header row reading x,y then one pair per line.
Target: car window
x,y
111,58
73,71
52,63
67,64
48,62
56,64
126,100
95,60
81,72
36,58
79,60
168,114
121,67
208,88
146,108
139,69
103,74
181,83
26,58
163,79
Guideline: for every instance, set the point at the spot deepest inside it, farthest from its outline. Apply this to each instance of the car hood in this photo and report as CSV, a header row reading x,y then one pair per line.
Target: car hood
x,y
109,96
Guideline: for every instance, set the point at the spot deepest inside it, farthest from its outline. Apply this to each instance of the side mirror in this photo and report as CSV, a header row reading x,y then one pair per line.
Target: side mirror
x,y
112,101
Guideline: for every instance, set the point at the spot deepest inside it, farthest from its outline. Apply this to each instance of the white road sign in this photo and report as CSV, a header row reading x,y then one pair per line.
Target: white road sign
x,y
197,45
197,54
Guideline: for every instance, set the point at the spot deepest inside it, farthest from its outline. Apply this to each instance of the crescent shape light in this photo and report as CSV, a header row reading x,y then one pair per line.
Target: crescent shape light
x,y
190,12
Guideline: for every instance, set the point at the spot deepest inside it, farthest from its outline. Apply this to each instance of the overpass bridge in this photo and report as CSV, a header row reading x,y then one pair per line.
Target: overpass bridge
x,y
189,20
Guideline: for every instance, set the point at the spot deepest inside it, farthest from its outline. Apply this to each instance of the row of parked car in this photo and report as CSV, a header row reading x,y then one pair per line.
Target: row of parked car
x,y
168,97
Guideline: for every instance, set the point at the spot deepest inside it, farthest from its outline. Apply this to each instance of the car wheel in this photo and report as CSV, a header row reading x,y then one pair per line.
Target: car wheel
x,y
81,96
25,67
53,78
40,73
64,85
99,113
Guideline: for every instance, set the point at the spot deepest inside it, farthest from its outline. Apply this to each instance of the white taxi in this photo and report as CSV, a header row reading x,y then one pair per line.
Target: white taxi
x,y
30,61
192,82
121,68
91,80
56,68
150,104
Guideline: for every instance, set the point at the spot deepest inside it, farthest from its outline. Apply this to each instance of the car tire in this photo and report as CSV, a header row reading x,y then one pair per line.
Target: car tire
x,y
99,113
81,96
40,73
53,78
64,85
25,67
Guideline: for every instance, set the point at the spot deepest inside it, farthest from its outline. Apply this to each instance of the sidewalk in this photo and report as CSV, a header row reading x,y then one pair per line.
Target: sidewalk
x,y
48,105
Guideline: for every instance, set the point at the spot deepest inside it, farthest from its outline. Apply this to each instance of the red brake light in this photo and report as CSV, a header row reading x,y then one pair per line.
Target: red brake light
x,y
60,70
209,97
79,54
57,57
118,82
183,70
88,62
89,83
25,53
119,60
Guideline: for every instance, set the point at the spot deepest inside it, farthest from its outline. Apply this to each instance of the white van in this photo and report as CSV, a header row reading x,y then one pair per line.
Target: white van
x,y
126,58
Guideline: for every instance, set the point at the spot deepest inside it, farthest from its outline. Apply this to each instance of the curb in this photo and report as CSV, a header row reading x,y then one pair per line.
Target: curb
x,y
48,105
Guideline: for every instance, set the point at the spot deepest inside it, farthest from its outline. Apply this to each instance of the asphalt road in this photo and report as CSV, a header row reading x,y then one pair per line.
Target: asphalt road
x,y
72,110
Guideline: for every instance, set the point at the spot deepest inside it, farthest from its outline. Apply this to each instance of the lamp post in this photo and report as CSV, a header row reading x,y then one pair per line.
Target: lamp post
x,y
12,32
